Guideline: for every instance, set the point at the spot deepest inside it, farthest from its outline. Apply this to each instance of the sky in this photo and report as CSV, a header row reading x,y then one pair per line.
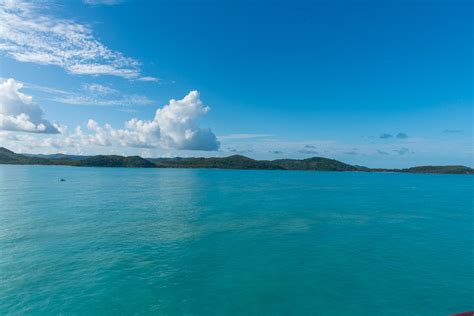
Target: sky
x,y
374,83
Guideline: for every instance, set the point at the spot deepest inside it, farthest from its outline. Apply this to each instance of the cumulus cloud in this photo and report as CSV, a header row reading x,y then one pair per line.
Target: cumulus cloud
x,y
27,35
19,113
173,127
178,126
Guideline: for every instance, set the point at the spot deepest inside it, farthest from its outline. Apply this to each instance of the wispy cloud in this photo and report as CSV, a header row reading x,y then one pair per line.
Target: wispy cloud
x,y
402,135
29,35
125,100
99,89
47,90
148,78
244,136
92,94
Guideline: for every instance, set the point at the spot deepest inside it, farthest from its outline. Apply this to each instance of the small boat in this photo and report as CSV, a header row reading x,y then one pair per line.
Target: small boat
x,y
61,180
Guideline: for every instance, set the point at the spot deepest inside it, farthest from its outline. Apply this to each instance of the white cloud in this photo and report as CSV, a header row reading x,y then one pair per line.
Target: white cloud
x,y
125,100
148,78
43,89
19,113
174,126
177,122
29,36
99,89
91,94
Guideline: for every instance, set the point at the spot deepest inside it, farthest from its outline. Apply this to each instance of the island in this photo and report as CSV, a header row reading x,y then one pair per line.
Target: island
x,y
230,162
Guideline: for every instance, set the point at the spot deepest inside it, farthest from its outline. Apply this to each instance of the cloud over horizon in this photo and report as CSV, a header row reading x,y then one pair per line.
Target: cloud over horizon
x,y
19,113
173,127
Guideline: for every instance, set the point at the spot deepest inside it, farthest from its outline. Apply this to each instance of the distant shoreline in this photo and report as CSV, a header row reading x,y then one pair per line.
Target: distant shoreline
x,y
235,162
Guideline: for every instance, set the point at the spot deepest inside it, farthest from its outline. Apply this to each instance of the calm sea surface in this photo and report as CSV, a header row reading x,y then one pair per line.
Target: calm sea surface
x,y
218,242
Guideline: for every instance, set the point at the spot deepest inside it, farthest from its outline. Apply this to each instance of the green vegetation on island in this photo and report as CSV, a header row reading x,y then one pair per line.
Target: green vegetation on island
x,y
440,169
231,162
115,161
315,163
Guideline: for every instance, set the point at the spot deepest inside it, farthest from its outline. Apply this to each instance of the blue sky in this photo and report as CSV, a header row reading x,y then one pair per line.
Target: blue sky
x,y
377,83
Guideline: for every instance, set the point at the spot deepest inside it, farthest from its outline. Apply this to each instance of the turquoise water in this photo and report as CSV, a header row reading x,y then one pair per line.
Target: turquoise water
x,y
218,242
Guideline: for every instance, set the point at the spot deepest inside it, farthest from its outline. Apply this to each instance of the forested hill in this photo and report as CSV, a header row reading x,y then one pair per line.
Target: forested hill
x,y
9,157
231,162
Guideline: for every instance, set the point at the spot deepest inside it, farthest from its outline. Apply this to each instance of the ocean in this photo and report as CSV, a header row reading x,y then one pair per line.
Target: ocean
x,y
233,242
